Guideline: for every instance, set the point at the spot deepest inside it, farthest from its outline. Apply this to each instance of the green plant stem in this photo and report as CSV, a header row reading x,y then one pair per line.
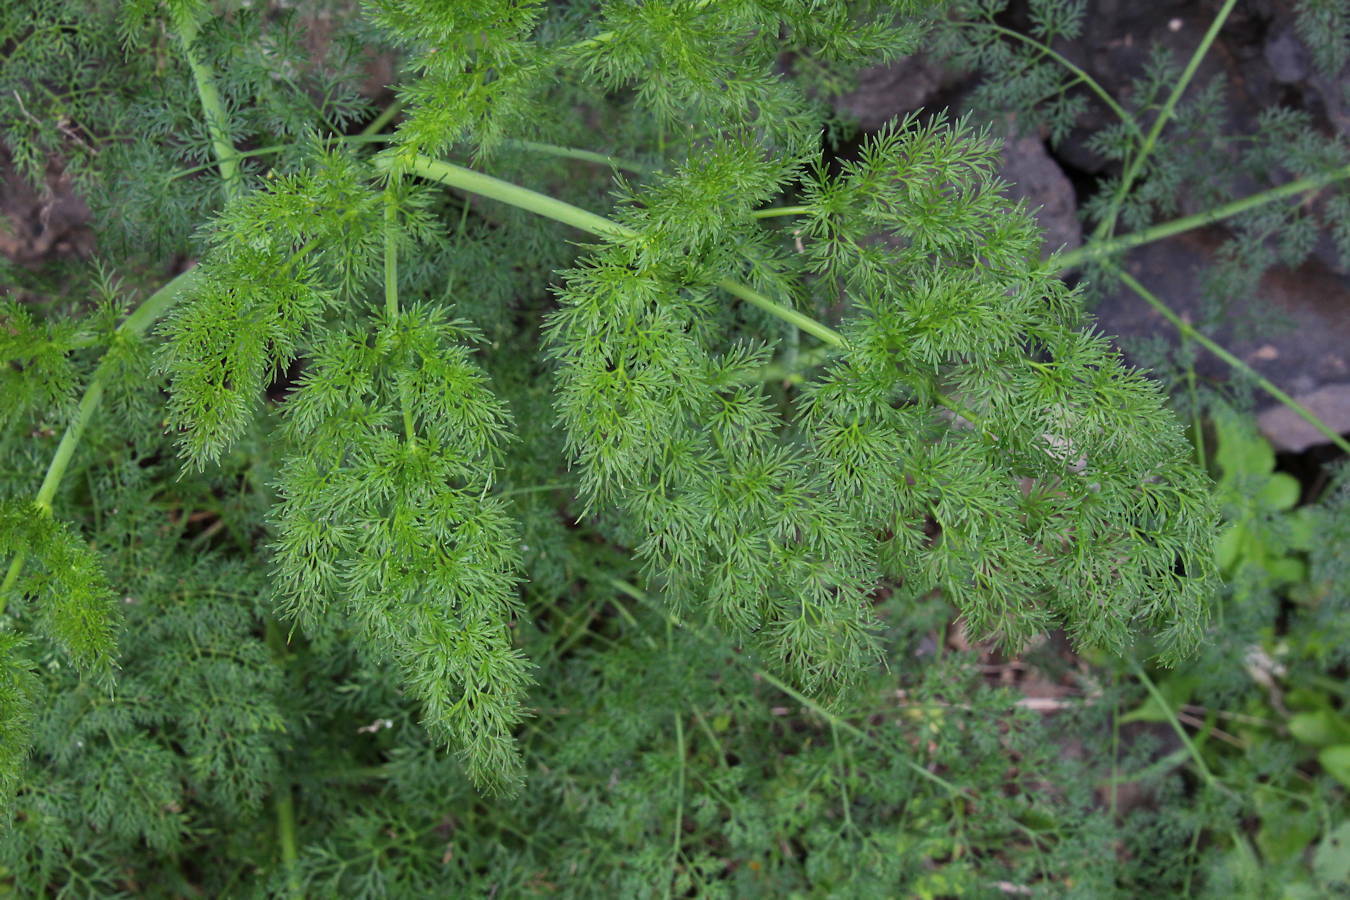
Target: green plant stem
x,y
1188,331
613,162
845,802
284,806
154,306
384,118
602,159
277,148
1197,421
1102,93
1194,751
774,211
789,371
132,326
464,179
217,121
679,802
391,286
1211,781
804,322
283,803
1112,246
1164,116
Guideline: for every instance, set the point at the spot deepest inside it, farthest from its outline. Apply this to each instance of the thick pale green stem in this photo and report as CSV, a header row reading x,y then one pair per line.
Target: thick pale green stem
x,y
283,804
284,807
455,176
217,120
1188,330
1164,116
774,211
391,286
464,179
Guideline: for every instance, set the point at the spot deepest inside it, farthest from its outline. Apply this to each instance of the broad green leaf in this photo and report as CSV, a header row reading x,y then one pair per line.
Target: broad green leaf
x,y
1320,728
1286,828
1336,760
1229,546
1287,569
1281,492
1331,862
1242,451
1303,527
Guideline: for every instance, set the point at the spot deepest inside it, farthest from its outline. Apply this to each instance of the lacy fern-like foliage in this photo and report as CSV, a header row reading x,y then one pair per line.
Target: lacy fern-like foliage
x,y
397,524
1074,465
388,428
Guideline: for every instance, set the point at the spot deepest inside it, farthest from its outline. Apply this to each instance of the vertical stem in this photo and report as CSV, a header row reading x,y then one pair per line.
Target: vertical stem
x,y
391,285
679,782
1197,421
217,121
1115,746
12,575
679,802
390,252
1164,115
284,806
283,803
843,778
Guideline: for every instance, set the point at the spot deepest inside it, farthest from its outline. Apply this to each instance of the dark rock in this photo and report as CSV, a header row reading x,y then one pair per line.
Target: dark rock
x,y
1304,351
1038,179
1290,431
1288,58
884,92
38,223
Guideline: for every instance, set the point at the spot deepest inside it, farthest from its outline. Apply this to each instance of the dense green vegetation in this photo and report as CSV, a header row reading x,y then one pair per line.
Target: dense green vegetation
x,y
602,472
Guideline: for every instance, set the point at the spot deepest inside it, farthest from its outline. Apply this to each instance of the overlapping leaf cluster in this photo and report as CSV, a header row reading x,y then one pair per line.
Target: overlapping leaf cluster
x,y
666,419
1066,493
390,524
971,436
491,70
